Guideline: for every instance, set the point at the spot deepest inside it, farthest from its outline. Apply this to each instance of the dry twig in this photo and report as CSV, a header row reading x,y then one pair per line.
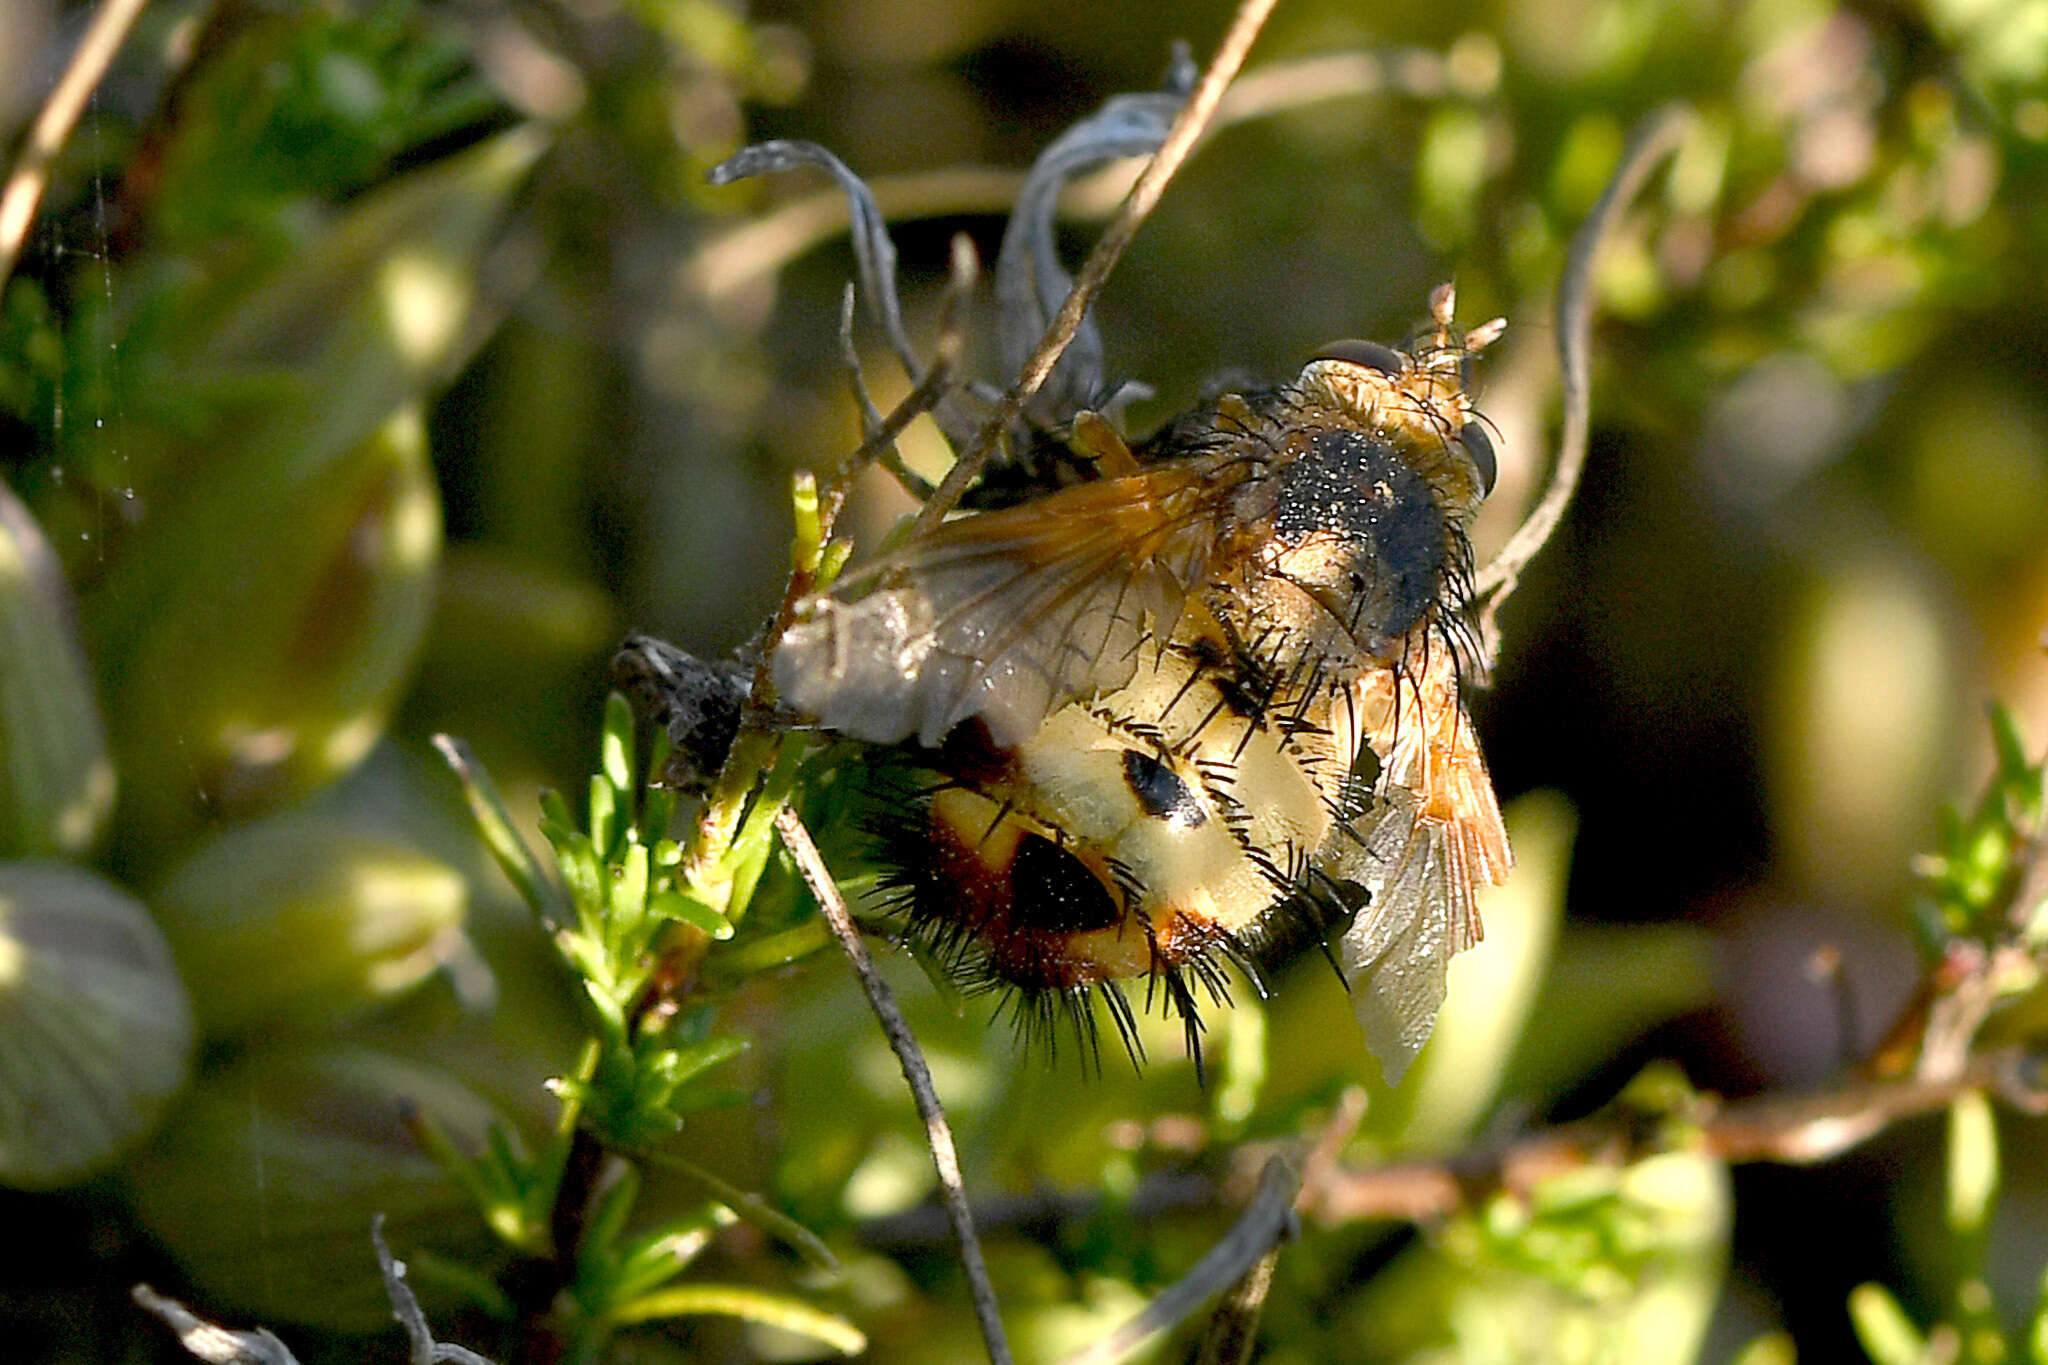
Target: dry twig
x,y
757,249
1654,139
1780,1129
938,1135
53,125
1791,1130
1267,1222
1188,126
963,269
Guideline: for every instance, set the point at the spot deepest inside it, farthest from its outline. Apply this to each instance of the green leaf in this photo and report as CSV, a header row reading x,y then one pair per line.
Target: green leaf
x,y
500,836
684,908
554,811
753,1210
616,744
96,1032
1972,1164
303,920
807,544
1772,1348
2011,747
658,1256
604,815
750,1305
689,1062
1888,1336
626,901
312,463
609,1212
56,779
495,1180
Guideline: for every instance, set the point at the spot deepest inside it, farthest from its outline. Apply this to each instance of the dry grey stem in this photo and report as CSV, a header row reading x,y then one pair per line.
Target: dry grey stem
x,y
1188,126
1265,1223
938,1135
1654,139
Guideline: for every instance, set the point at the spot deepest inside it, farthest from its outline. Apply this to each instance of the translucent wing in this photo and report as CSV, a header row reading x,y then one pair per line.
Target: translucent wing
x,y
1007,615
1432,838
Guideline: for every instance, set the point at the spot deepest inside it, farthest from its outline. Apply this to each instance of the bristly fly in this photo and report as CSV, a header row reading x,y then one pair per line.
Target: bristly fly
x,y
1152,706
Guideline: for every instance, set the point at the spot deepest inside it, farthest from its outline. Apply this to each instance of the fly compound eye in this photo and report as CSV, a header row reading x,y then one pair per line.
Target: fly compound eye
x,y
1369,354
1480,447
1162,794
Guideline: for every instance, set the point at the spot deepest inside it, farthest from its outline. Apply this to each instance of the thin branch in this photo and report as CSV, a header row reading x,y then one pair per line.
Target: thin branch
x,y
963,268
213,1344
1337,1134
1265,1223
53,125
1654,139
849,360
1278,87
937,1134
1042,1213
1792,1130
1781,1129
937,381
1235,1326
1188,126
405,1306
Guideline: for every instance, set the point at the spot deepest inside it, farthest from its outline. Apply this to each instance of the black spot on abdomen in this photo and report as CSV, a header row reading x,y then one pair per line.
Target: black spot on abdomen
x,y
1160,791
1053,891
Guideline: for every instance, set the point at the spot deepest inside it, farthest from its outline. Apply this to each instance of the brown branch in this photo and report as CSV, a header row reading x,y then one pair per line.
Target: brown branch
x,y
53,125
1188,126
1792,1130
938,1135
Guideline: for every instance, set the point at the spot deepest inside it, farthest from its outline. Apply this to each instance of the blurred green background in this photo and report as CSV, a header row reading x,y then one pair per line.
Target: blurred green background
x,y
373,368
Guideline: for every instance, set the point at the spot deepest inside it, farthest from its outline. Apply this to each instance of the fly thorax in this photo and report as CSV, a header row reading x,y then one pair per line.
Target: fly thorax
x,y
1362,540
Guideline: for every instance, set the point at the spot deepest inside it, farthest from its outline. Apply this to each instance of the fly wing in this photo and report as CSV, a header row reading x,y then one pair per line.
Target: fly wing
x,y
1008,615
1397,951
1432,837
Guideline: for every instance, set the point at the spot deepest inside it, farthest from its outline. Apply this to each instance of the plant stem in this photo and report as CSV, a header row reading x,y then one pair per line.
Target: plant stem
x,y
938,1135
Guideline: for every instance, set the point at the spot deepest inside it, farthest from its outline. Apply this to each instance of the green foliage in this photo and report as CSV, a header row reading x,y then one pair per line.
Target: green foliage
x,y
629,923
1977,874
310,104
1971,1329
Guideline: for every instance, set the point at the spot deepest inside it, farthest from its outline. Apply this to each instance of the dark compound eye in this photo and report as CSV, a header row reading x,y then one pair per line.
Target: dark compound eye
x,y
1480,447
1163,795
1370,354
